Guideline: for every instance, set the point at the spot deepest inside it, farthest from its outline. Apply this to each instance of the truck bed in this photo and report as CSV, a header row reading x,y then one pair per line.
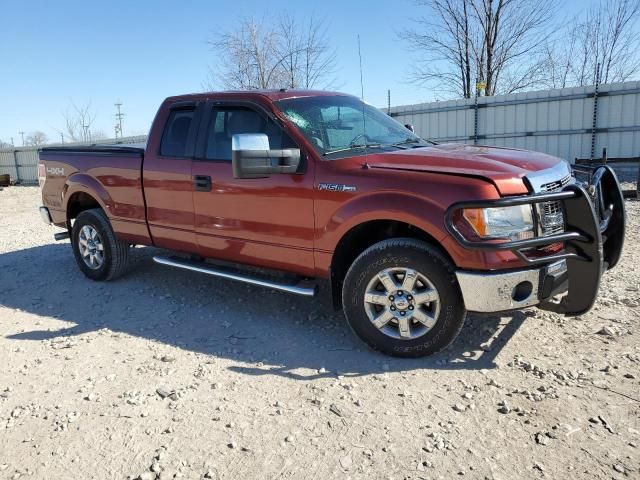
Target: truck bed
x,y
112,173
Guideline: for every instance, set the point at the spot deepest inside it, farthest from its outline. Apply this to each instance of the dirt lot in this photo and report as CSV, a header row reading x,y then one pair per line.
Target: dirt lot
x,y
259,384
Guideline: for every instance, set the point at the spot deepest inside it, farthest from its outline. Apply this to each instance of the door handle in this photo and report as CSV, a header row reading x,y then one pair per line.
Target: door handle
x,y
202,183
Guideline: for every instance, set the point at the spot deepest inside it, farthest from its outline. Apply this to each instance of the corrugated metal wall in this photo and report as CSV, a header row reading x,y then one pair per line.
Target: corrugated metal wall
x,y
558,122
22,163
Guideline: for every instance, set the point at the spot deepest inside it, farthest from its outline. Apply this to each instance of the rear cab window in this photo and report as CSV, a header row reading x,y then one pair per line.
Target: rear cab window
x,y
177,138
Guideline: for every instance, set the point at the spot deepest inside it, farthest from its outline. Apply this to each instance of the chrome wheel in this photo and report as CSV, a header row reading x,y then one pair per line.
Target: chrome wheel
x,y
402,303
91,247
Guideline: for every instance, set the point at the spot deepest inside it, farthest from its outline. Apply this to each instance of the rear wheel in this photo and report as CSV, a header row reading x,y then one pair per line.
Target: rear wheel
x,y
99,254
402,298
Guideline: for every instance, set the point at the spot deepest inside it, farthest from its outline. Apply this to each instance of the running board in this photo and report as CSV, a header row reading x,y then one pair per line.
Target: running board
x,y
202,267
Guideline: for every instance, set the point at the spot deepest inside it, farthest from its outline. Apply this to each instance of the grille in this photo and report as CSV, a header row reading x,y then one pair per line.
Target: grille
x,y
551,213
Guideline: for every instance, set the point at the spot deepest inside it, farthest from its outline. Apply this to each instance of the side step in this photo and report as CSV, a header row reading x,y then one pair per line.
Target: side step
x,y
202,267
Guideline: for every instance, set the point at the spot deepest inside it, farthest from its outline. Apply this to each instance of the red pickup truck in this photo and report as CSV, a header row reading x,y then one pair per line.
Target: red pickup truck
x,y
321,188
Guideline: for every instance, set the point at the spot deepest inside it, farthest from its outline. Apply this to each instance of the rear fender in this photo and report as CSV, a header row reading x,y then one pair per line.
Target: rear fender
x,y
82,182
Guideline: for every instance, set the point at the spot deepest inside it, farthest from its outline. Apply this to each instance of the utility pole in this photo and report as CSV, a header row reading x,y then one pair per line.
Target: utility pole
x,y
388,102
22,135
12,144
119,116
62,137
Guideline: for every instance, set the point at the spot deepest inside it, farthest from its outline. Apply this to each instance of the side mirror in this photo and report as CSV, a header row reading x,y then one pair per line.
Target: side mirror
x,y
408,126
251,157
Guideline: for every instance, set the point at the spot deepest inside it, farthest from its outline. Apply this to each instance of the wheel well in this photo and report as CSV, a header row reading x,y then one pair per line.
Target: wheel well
x,y
79,202
361,237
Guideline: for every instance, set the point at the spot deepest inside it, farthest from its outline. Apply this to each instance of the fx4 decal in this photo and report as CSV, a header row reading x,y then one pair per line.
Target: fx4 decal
x,y
55,171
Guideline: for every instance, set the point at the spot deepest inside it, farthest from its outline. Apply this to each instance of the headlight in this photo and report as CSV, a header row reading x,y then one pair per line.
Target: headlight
x,y
513,223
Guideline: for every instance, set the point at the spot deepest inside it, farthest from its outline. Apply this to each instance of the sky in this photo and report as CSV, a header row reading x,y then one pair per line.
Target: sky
x,y
139,52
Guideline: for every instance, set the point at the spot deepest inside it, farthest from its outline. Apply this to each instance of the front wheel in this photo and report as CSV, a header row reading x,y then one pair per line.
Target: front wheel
x,y
99,254
401,297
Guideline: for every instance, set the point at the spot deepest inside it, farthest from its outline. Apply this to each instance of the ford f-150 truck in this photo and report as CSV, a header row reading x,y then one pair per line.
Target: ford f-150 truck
x,y
320,188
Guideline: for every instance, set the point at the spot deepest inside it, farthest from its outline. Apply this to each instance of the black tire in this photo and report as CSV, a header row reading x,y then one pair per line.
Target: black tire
x,y
424,258
115,252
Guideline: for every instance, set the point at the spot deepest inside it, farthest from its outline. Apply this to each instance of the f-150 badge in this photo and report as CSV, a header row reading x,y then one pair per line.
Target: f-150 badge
x,y
336,187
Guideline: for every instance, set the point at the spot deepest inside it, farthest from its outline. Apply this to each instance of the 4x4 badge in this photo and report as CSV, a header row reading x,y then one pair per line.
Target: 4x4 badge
x,y
336,187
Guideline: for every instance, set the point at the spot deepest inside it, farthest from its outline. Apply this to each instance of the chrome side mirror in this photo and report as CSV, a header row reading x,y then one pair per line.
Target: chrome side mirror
x,y
251,157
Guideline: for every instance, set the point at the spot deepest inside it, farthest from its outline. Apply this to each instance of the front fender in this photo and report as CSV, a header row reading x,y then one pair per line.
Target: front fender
x,y
425,214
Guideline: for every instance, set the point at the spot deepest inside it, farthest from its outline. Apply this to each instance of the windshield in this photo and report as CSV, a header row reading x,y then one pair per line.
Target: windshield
x,y
336,124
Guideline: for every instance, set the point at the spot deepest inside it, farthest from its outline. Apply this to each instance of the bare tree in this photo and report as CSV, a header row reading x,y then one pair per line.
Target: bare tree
x,y
36,139
78,122
273,54
5,144
605,39
249,56
290,48
308,59
497,42
558,60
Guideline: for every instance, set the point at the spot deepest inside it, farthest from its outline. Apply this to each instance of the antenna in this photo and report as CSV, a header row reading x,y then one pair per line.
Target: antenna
x,y
361,82
364,121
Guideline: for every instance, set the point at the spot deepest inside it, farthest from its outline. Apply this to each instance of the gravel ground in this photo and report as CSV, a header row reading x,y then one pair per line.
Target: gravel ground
x,y
167,374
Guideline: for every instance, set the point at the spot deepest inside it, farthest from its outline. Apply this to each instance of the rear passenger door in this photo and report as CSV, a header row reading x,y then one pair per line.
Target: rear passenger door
x,y
168,186
264,221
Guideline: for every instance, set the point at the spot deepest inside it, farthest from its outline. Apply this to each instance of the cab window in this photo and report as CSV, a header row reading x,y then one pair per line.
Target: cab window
x,y
228,121
176,133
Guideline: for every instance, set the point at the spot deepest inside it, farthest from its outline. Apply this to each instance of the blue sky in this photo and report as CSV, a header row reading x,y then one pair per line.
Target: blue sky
x,y
140,52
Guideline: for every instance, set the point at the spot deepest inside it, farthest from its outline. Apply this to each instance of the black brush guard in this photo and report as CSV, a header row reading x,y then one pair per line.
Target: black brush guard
x,y
593,237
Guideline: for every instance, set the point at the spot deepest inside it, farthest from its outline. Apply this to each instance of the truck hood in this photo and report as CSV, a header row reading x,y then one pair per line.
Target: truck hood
x,y
504,167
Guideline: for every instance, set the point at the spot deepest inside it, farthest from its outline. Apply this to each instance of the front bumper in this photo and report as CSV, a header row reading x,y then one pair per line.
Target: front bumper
x,y
593,239
502,291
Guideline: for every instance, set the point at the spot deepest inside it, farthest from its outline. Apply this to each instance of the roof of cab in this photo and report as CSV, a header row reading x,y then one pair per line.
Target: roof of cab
x,y
272,95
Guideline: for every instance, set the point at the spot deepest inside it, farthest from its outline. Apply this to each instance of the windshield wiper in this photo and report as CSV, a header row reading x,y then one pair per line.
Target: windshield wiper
x,y
409,141
406,142
352,147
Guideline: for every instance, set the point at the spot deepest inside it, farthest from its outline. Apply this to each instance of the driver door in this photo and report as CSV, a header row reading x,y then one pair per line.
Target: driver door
x,y
266,222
